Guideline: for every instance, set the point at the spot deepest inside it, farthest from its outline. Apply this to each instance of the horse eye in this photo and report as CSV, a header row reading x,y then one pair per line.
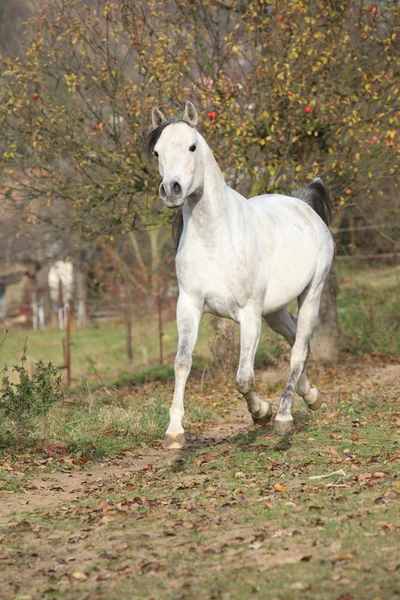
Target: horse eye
x,y
155,154
193,148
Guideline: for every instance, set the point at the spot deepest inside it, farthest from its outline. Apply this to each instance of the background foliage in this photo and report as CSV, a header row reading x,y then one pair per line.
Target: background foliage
x,y
292,89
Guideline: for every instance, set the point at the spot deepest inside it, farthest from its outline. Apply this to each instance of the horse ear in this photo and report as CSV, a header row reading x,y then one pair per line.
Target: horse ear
x,y
190,114
157,117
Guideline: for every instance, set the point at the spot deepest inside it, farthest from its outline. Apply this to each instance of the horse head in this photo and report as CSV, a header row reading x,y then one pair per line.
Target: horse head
x,y
177,146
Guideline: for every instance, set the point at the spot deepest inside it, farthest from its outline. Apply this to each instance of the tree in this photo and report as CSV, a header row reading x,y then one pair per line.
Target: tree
x,y
287,90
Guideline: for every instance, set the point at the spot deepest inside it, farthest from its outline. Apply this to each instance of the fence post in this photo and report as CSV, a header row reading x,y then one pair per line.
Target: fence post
x,y
128,328
160,331
68,349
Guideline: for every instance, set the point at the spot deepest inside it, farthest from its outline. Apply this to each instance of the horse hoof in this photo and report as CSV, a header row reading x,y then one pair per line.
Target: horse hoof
x,y
283,427
313,399
174,441
262,421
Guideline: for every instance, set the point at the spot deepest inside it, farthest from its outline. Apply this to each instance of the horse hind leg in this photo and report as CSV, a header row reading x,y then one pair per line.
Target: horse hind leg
x,y
306,322
285,324
250,327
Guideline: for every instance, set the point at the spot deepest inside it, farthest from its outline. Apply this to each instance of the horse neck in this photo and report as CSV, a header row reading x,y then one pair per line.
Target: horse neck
x,y
207,214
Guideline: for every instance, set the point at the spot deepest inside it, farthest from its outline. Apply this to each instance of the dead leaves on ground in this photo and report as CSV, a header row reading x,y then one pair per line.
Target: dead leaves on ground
x,y
123,526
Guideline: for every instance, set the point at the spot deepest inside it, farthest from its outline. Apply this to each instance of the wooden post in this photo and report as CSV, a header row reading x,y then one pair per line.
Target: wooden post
x,y
128,324
160,331
68,349
61,323
23,357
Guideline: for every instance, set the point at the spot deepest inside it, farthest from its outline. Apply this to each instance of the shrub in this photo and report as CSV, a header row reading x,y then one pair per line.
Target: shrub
x,y
30,396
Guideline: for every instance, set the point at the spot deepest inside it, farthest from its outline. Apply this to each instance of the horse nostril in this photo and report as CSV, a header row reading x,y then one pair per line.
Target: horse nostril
x,y
162,191
177,189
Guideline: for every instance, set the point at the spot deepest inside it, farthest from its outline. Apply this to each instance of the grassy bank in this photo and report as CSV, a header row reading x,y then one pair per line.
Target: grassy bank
x,y
369,308
312,517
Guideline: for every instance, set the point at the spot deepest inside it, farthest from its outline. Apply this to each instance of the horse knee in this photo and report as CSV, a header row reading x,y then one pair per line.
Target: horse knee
x,y
183,364
245,383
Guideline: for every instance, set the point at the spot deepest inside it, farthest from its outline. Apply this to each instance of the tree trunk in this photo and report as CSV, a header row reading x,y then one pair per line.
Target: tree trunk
x,y
224,347
325,345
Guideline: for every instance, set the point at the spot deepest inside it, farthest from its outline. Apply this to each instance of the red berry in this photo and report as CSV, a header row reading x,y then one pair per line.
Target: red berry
x,y
308,109
35,96
96,127
280,18
212,115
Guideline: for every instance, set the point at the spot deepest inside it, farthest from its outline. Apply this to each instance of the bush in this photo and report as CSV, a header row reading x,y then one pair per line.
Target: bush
x,y
29,397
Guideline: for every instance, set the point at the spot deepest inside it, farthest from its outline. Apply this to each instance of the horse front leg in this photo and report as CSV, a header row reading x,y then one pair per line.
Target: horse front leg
x,y
188,320
250,327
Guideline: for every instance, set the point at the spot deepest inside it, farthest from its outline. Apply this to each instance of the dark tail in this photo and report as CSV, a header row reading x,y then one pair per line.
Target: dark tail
x,y
316,195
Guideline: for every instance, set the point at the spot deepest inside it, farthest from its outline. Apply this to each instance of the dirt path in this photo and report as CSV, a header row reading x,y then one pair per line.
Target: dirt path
x,y
230,517
64,487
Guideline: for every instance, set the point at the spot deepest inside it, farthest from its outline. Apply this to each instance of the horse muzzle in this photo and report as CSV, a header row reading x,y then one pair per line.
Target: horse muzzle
x,y
171,193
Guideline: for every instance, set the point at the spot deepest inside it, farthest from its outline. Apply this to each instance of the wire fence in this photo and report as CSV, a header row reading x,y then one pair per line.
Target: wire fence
x,y
376,228
366,256
367,227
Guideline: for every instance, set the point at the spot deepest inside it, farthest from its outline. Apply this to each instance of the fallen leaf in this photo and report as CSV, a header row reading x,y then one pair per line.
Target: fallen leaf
x,y
79,576
299,585
280,487
341,557
6,559
150,566
256,545
122,546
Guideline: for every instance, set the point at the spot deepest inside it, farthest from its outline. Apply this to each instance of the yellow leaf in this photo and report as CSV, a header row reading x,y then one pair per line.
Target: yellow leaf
x,y
79,576
280,487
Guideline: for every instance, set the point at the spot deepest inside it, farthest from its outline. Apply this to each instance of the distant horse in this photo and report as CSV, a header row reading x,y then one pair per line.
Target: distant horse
x,y
241,259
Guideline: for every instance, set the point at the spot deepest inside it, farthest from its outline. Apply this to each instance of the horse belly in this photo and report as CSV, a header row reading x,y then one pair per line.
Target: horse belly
x,y
288,278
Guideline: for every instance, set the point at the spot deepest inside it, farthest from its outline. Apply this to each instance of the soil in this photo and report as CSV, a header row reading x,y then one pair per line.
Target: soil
x,y
64,487
93,553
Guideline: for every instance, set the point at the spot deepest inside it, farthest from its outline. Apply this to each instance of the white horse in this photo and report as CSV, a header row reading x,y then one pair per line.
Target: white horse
x,y
241,259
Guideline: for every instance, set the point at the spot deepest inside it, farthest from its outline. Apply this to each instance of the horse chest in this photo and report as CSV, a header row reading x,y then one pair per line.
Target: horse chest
x,y
218,285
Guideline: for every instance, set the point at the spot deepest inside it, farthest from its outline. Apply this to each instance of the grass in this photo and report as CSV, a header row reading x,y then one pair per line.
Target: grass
x,y
107,412
236,520
9,482
98,421
369,309
99,353
369,318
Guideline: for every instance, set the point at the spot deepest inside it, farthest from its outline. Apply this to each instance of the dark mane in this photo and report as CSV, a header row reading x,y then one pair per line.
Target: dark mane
x,y
155,134
177,226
